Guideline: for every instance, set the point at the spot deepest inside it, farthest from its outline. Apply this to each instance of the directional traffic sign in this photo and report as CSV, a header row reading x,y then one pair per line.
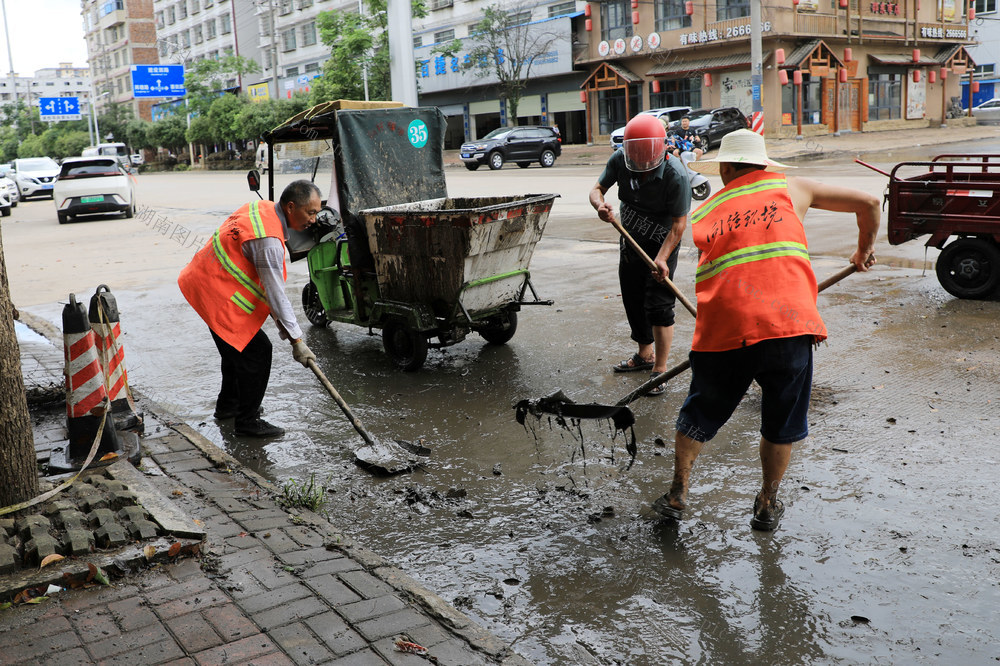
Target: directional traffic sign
x,y
53,109
158,81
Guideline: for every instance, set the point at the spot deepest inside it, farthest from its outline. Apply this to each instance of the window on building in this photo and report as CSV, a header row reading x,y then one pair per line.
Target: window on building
x,y
228,51
562,8
210,29
171,15
611,108
309,34
519,18
885,94
811,100
418,41
730,9
440,4
305,3
312,67
616,20
986,6
186,39
267,60
670,15
162,48
676,92
288,40
182,9
209,3
444,36
265,26
984,71
198,35
226,24
159,20
195,6
285,7
292,71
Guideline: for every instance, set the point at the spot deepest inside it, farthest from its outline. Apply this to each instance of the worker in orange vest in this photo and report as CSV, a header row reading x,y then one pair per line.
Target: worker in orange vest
x,y
757,316
234,282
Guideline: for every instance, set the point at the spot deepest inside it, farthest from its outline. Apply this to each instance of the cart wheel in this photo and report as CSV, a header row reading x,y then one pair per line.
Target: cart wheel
x,y
499,330
548,158
406,348
496,160
969,268
312,306
524,165
472,166
701,192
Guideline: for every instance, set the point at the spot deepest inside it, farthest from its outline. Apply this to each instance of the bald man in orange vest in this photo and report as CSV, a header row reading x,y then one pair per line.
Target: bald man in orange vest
x,y
234,283
757,316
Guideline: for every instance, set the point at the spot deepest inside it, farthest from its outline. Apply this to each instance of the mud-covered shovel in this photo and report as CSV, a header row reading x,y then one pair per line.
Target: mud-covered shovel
x,y
559,404
376,455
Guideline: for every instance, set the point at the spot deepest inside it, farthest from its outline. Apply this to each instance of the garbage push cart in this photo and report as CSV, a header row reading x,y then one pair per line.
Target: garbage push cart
x,y
951,196
394,252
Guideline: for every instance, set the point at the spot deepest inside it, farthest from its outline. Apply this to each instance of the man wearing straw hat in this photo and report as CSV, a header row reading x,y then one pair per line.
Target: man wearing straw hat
x,y
757,316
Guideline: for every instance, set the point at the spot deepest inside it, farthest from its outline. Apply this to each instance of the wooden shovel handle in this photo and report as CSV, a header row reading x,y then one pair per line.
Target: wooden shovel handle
x,y
649,262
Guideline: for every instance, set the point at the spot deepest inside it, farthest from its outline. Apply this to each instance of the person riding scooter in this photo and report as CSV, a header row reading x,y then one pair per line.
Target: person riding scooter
x,y
685,139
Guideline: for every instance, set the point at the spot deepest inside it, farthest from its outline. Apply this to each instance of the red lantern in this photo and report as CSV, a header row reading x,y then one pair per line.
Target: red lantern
x,y
916,76
635,18
635,4
797,77
916,55
779,56
843,75
583,96
689,7
656,87
795,3
975,86
848,54
783,77
588,25
707,80
931,76
972,12
944,73
843,4
586,10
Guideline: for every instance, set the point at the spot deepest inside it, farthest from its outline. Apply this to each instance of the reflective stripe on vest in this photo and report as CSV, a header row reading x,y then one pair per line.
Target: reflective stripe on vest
x,y
753,253
256,223
751,188
227,264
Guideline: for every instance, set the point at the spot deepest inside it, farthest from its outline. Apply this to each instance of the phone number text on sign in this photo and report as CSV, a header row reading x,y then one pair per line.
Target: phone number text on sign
x,y
714,35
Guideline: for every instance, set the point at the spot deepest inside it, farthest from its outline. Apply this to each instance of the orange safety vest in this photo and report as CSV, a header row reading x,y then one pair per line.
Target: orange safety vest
x,y
222,285
754,279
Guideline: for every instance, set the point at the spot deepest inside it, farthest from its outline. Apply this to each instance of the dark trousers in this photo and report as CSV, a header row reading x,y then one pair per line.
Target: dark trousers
x,y
244,376
647,302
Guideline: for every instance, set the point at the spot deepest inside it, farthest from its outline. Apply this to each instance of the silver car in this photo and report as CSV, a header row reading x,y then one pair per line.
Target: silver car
x,y
987,112
8,186
35,176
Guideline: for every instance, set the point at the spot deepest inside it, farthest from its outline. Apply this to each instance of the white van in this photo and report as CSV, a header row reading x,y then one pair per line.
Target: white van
x,y
119,150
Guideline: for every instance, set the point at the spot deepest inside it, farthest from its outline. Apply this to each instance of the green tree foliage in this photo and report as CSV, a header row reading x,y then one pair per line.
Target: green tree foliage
x,y
168,133
358,44
8,143
31,147
206,78
256,118
223,113
113,122
201,131
137,134
24,119
504,47
70,143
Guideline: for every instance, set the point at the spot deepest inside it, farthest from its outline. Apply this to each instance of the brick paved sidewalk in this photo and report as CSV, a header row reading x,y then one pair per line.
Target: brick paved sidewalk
x,y
271,586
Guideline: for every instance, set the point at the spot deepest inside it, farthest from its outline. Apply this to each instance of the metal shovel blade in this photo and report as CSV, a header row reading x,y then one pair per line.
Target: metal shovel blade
x,y
391,457
561,405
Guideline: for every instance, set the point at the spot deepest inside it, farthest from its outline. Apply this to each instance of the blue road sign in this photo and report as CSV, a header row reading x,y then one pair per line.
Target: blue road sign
x,y
158,81
53,109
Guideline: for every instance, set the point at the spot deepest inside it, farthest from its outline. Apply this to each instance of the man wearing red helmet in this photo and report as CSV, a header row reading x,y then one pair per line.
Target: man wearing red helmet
x,y
655,196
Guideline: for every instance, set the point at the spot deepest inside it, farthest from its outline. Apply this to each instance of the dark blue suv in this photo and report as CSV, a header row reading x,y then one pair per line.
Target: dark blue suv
x,y
521,145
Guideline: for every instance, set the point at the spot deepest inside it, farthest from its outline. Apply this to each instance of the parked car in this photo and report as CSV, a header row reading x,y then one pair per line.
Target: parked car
x,y
137,159
672,113
35,176
987,112
93,185
522,145
713,124
8,186
5,204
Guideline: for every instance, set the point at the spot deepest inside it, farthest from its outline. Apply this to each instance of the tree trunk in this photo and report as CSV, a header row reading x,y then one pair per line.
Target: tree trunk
x,y
17,446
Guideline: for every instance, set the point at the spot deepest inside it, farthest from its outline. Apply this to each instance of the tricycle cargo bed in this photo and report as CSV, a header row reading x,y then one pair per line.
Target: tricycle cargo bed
x,y
945,197
471,252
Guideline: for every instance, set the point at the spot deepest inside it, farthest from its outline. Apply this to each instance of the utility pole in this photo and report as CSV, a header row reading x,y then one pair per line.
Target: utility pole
x,y
10,57
364,65
400,22
274,51
756,63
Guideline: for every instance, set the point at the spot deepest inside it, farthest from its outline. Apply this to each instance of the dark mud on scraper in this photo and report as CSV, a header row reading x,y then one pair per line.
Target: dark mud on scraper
x,y
558,404
378,456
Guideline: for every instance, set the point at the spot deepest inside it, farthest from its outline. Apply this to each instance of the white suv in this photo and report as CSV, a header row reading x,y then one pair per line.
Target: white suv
x,y
35,176
671,112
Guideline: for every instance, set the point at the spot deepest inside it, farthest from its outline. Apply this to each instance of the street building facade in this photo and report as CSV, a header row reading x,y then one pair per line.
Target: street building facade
x,y
470,97
119,34
62,81
985,29
829,66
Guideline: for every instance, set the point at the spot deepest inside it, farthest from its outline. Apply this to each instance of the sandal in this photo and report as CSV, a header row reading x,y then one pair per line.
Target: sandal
x,y
633,364
663,507
767,519
658,389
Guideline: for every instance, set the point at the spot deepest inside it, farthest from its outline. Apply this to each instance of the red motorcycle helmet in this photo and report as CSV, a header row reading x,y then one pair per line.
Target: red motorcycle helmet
x,y
644,144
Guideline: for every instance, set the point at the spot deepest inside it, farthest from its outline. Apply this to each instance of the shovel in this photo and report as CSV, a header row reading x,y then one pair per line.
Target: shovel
x,y
377,456
559,404
649,262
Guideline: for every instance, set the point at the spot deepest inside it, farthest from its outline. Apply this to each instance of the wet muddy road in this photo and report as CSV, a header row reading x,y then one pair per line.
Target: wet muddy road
x,y
889,551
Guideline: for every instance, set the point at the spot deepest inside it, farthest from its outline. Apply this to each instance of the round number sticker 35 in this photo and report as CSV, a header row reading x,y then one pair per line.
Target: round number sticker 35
x,y
417,133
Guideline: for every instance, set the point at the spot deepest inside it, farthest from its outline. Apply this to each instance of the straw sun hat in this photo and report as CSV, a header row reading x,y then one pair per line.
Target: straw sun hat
x,y
739,146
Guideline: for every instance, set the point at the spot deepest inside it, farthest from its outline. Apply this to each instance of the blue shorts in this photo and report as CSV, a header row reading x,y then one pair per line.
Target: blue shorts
x,y
719,380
